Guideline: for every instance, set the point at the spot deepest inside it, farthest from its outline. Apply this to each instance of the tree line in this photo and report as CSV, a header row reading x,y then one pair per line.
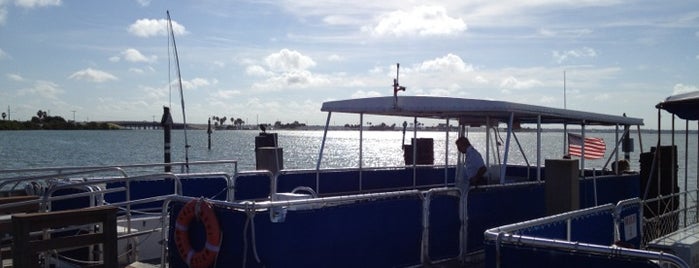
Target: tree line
x,y
220,121
44,121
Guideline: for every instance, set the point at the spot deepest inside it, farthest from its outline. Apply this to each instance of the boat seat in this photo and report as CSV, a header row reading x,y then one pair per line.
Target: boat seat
x,y
6,219
27,208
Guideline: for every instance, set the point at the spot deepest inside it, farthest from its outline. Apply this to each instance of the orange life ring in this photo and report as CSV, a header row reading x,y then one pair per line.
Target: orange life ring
x,y
203,211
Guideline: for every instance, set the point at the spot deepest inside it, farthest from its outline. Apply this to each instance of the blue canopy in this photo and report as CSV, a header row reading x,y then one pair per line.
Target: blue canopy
x,y
685,106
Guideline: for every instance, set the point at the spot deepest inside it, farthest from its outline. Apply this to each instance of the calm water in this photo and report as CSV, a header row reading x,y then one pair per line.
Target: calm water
x,y
26,149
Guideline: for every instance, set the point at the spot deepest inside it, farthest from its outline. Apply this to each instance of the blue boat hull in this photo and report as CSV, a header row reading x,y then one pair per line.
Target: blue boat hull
x,y
386,232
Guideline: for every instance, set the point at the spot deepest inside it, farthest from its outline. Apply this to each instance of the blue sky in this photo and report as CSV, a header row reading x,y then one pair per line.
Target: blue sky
x,y
267,61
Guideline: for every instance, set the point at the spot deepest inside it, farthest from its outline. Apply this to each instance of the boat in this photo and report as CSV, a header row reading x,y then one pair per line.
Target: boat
x,y
657,229
411,215
399,216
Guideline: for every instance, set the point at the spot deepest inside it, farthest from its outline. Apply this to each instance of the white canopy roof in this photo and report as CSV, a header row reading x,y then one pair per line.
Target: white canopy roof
x,y
683,105
472,111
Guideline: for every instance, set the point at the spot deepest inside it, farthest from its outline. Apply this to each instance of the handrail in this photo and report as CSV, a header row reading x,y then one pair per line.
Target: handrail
x,y
229,181
509,234
58,175
321,200
275,177
426,202
585,247
59,172
550,219
93,185
211,162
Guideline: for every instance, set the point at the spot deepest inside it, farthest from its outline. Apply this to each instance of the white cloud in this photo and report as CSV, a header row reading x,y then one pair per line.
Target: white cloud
x,y
286,68
365,94
340,20
568,33
114,59
3,14
480,80
133,55
136,70
421,20
602,97
376,70
292,79
143,3
288,60
226,94
584,52
297,78
513,83
44,89
93,75
219,64
155,27
449,63
3,55
37,3
335,57
681,88
547,100
155,93
15,77
547,32
197,83
256,70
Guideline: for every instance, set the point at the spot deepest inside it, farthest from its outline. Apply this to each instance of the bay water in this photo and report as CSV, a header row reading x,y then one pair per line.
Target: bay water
x,y
38,148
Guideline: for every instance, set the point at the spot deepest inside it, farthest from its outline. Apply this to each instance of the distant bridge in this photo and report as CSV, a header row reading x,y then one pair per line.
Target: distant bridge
x,y
146,125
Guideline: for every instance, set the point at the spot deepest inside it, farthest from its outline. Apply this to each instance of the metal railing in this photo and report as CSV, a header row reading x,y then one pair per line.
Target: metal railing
x,y
91,183
667,219
512,235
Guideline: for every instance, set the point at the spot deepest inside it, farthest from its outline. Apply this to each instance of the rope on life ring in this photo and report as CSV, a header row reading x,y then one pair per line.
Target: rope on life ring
x,y
204,212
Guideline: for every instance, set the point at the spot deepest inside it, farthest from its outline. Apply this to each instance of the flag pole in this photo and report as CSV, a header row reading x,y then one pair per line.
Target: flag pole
x,y
564,90
565,126
582,150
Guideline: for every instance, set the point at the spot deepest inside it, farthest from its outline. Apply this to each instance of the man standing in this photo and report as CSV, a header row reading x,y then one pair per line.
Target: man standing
x,y
474,168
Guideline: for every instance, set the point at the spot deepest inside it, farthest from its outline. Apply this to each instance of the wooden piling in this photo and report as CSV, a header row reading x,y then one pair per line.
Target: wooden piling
x,y
208,131
166,122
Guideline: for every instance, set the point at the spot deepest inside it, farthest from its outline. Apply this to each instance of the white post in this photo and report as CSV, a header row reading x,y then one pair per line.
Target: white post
x,y
487,141
361,147
503,168
446,155
538,147
582,151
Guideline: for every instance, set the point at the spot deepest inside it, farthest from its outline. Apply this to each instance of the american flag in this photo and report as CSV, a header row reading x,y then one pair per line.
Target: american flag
x,y
594,147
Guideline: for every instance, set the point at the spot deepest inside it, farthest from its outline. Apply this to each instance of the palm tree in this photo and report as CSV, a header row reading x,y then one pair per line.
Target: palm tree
x,y
238,122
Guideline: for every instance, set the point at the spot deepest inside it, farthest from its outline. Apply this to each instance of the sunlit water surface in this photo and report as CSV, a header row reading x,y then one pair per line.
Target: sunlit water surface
x,y
301,149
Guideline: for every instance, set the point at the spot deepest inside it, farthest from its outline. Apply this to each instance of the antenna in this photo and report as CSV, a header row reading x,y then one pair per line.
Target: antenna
x,y
564,89
396,86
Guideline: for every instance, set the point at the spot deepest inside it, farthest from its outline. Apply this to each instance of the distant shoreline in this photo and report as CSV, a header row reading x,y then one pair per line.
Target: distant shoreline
x,y
54,125
16,125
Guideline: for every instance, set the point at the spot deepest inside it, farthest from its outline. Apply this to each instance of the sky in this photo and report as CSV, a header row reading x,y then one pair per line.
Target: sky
x,y
278,60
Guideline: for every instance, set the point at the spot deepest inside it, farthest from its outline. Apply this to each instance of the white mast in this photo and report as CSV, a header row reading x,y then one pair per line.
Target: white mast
x,y
179,82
